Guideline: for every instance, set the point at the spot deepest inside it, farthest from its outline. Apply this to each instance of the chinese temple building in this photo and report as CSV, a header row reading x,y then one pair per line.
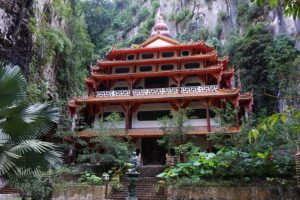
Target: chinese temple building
x,y
144,83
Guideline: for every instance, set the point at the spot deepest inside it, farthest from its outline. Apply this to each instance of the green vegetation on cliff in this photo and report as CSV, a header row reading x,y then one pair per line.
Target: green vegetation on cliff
x,y
68,48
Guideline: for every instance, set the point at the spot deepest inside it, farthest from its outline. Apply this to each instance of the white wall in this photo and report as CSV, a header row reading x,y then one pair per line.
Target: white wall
x,y
165,106
120,84
192,79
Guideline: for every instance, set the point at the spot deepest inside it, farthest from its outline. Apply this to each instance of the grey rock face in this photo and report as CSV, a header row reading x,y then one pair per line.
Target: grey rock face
x,y
15,37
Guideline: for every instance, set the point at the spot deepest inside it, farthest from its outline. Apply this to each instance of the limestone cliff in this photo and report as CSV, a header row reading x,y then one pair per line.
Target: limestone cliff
x,y
218,14
15,36
17,18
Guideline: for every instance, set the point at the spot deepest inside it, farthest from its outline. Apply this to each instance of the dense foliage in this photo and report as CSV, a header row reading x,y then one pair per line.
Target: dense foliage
x,y
265,64
231,163
68,48
291,8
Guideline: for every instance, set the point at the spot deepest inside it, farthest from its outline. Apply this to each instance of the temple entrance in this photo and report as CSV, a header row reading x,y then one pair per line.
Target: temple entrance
x,y
152,153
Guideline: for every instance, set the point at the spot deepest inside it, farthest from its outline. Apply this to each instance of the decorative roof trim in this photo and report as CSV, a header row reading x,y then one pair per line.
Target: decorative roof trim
x,y
156,37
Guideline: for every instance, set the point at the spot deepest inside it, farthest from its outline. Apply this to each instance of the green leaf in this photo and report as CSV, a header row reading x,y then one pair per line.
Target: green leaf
x,y
273,3
283,118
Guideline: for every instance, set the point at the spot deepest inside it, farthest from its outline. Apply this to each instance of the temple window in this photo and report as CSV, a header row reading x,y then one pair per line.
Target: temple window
x,y
191,65
156,82
167,67
199,114
130,57
193,84
185,53
145,68
167,54
121,70
121,88
152,115
148,56
106,114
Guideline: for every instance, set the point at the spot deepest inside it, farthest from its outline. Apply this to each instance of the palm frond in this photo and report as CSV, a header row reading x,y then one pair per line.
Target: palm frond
x,y
24,121
7,163
12,85
21,124
32,145
29,155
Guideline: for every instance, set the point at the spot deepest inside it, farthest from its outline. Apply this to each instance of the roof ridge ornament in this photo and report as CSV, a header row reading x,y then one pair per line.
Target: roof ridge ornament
x,y
160,28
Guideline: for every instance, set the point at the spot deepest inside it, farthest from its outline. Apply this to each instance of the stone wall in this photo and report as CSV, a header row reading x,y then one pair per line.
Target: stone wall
x,y
79,192
15,36
233,193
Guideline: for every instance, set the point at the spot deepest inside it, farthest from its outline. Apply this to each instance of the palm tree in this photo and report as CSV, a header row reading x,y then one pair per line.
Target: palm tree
x,y
21,126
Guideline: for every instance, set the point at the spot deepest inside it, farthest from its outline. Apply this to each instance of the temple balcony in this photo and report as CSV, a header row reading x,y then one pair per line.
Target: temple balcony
x,y
158,91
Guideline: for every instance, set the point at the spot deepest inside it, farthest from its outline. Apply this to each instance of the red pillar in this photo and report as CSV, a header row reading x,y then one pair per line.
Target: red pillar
x,y
207,116
130,87
179,84
128,118
237,119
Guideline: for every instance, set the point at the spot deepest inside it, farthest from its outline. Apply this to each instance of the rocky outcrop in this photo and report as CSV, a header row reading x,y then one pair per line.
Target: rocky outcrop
x,y
15,36
17,40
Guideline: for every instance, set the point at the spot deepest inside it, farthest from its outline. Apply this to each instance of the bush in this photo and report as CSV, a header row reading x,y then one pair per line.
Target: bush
x,y
91,178
182,15
222,15
204,33
35,186
233,163
143,14
219,28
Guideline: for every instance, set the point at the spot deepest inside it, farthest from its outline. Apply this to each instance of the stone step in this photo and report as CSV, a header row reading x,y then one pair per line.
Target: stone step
x,y
150,170
144,190
145,186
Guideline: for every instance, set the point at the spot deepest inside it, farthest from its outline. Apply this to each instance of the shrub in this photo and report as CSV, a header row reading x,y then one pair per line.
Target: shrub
x,y
143,14
91,178
231,162
204,33
219,28
222,15
182,15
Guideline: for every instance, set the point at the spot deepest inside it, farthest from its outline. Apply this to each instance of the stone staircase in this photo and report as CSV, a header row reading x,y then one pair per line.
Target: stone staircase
x,y
146,187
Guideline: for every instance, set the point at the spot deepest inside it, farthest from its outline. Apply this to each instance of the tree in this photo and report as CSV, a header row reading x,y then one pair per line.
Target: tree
x,y
289,119
174,129
21,127
107,148
289,126
247,53
264,64
291,8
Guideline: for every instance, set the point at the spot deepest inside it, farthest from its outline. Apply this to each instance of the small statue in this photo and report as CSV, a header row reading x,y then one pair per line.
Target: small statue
x,y
133,160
